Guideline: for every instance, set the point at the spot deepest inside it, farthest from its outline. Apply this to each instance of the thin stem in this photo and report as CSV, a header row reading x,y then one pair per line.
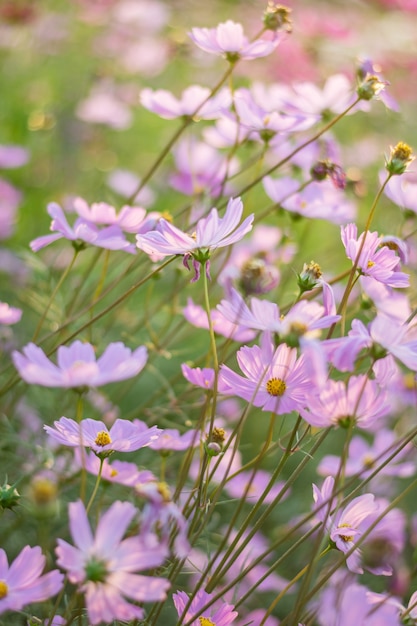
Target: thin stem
x,y
93,495
53,294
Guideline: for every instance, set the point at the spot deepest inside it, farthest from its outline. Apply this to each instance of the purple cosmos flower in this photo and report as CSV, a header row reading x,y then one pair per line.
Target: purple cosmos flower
x,y
376,259
347,523
77,365
229,41
123,436
22,582
203,378
219,613
211,232
9,314
194,98
171,439
103,566
81,233
402,190
274,379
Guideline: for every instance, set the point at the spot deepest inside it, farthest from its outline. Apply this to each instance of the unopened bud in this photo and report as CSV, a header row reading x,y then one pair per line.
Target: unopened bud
x,y
310,275
9,496
370,88
277,17
399,159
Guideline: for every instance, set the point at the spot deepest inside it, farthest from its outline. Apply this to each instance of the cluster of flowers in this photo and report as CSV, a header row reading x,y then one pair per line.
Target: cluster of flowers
x,y
354,381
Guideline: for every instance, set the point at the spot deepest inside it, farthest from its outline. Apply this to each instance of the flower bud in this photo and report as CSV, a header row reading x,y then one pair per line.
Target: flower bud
x,y
309,276
257,277
9,496
277,17
399,159
370,87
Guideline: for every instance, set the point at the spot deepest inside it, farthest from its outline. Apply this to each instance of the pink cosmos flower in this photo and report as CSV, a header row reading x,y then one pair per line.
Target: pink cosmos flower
x,y
360,401
319,200
201,169
194,98
201,377
402,190
104,107
346,524
9,314
274,379
22,582
376,259
229,41
12,156
129,219
219,613
172,439
103,566
77,365
123,436
364,458
212,232
81,233
336,95
197,316
10,198
120,472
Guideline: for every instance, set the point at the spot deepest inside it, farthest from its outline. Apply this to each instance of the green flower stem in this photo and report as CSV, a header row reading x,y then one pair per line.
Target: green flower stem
x,y
83,280
56,604
79,417
290,584
96,486
53,294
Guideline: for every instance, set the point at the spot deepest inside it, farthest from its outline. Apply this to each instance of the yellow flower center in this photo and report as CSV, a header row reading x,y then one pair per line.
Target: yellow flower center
x,y
345,538
113,472
103,438
275,387
3,589
205,621
368,462
370,264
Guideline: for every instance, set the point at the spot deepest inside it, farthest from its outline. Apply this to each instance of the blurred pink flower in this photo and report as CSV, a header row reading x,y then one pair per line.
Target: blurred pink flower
x,y
77,365
81,233
123,436
229,41
197,316
9,314
13,156
21,583
103,566
194,98
129,219
10,198
219,613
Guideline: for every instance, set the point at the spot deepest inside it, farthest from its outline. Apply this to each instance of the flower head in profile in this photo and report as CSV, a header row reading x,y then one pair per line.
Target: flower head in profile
x,y
346,525
228,40
103,566
9,314
123,436
22,582
218,614
212,232
82,233
77,366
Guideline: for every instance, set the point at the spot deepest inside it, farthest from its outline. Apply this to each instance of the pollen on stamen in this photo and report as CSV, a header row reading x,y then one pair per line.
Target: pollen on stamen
x,y
206,621
103,438
4,589
345,538
275,387
370,264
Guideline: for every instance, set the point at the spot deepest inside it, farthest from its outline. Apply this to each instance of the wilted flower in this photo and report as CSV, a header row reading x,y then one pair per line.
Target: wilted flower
x,y
103,566
77,365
